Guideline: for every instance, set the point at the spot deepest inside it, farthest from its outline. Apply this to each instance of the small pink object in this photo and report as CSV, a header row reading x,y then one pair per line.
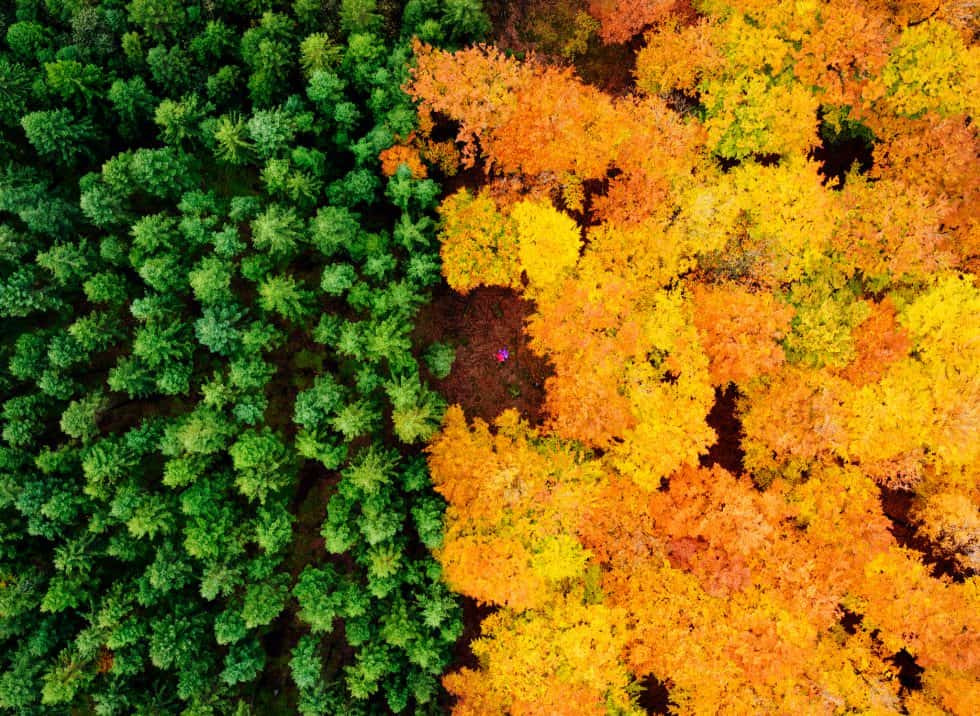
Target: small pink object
x,y
502,355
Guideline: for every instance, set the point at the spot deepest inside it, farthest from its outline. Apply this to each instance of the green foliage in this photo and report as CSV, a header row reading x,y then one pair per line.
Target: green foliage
x,y
283,296
244,662
272,131
465,20
231,139
356,419
320,600
314,406
191,197
28,39
416,411
80,418
262,462
337,279
277,231
336,229
263,602
160,19
305,664
439,359
359,15
57,134
274,528
180,121
15,78
318,53
132,101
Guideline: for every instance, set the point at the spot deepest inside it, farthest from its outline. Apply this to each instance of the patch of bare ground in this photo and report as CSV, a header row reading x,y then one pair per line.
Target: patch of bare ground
x,y
478,325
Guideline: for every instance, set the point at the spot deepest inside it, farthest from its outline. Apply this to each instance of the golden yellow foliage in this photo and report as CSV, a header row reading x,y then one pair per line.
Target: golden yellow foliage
x,y
931,68
548,242
924,411
676,58
771,223
564,659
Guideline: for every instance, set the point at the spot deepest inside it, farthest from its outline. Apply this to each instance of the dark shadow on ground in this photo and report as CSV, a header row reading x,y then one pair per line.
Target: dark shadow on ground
x,y
896,504
655,696
727,452
478,325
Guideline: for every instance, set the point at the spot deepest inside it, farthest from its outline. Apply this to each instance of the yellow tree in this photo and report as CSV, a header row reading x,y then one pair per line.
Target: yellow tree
x,y
562,660
924,411
769,224
479,245
548,242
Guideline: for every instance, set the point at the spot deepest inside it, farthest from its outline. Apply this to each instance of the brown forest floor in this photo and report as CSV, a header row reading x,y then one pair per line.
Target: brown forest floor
x,y
477,326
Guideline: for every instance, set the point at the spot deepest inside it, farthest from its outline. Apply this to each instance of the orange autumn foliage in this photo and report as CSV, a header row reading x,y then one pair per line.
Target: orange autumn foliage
x,y
738,606
709,248
740,331
843,45
935,620
574,325
955,693
892,232
620,20
600,320
543,123
935,156
476,87
399,154
443,155
677,58
950,519
523,116
655,157
878,342
590,407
